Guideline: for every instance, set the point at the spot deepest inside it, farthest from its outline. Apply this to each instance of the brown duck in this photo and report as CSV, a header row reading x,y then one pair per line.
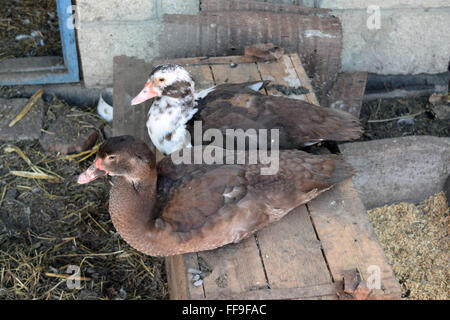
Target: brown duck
x,y
234,106
168,210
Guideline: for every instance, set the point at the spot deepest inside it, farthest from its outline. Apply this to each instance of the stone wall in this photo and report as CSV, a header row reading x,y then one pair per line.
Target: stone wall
x,y
410,36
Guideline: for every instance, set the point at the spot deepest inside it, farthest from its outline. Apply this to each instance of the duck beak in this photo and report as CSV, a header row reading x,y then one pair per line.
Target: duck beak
x,y
92,173
147,93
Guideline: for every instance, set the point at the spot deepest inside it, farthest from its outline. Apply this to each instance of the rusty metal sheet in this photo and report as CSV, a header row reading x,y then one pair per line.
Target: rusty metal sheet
x,y
348,92
317,39
244,5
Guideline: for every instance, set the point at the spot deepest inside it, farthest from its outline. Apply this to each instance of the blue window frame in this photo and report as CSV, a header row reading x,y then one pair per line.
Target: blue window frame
x,y
42,70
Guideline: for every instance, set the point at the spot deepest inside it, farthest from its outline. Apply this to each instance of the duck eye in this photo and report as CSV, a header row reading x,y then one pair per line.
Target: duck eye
x,y
161,79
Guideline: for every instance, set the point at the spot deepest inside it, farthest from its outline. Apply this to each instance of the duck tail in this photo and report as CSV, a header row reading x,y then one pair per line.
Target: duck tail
x,y
342,170
252,85
351,128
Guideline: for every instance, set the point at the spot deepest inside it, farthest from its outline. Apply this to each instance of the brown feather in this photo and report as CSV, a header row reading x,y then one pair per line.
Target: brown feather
x,y
188,208
238,107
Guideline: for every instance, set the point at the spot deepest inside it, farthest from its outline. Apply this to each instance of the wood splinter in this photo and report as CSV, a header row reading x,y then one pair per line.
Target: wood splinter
x,y
354,286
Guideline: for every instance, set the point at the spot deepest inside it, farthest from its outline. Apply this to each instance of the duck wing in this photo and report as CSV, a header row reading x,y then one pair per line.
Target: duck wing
x,y
300,123
213,205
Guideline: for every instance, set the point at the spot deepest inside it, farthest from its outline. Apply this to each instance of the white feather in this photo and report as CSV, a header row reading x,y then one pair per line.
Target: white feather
x,y
159,125
203,93
256,86
177,74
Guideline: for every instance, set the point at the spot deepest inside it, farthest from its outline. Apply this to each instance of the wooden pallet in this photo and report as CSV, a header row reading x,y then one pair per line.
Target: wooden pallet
x,y
303,256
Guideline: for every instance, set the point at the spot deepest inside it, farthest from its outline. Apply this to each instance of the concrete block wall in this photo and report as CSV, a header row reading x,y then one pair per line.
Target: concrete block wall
x,y
413,35
107,28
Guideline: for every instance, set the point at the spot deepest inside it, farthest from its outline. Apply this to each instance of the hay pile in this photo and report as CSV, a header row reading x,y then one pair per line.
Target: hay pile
x,y
416,242
49,228
29,28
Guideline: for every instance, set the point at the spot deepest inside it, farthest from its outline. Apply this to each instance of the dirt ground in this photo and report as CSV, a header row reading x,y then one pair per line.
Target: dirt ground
x,y
48,230
396,120
29,28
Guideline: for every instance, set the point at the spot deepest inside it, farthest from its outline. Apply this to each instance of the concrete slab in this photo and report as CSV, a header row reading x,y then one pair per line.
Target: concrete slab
x,y
28,128
399,169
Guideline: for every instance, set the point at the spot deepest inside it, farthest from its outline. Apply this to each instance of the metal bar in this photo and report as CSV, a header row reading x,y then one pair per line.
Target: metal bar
x,y
67,29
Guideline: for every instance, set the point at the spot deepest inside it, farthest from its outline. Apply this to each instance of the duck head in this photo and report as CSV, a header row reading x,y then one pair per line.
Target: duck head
x,y
167,80
124,156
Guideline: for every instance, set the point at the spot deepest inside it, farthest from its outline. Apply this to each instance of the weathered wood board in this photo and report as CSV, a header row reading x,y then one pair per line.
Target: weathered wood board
x,y
304,255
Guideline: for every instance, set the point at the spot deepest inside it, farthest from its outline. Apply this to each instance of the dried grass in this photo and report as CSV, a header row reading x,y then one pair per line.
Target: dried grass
x,y
416,242
45,228
37,20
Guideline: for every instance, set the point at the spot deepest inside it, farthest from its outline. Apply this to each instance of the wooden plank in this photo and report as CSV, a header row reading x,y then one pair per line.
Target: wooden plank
x,y
348,238
301,251
177,278
282,72
236,268
180,281
207,60
130,74
304,79
299,254
243,72
326,291
202,76
348,92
